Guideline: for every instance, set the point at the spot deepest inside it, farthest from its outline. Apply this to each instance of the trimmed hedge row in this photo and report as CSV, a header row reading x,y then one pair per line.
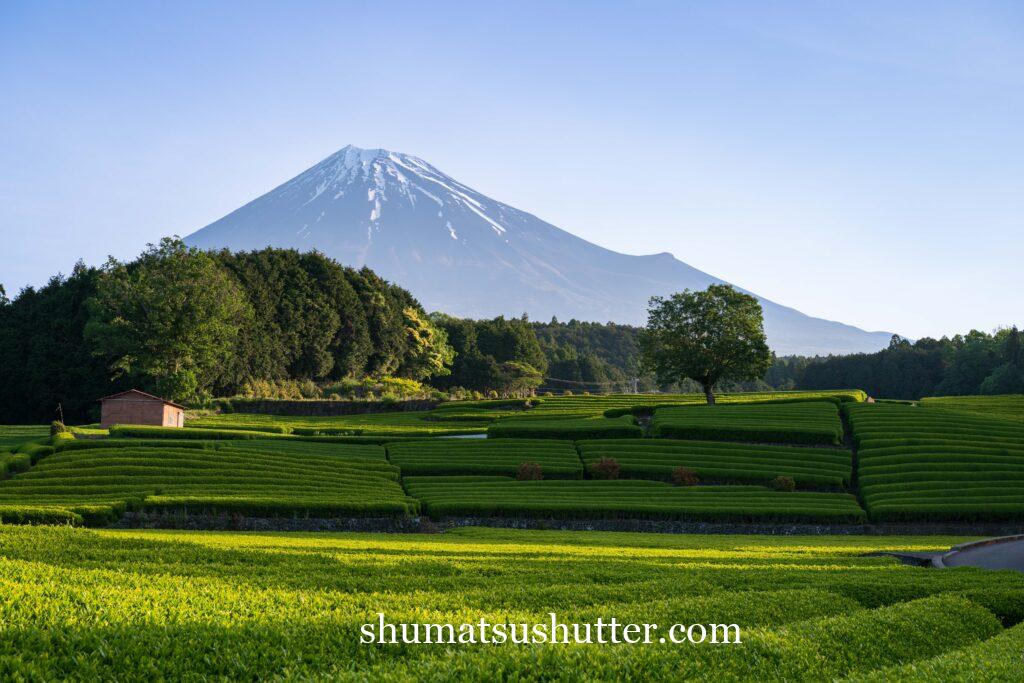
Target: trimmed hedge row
x,y
723,461
38,514
328,448
632,499
815,422
836,398
584,406
1006,405
200,433
625,427
485,456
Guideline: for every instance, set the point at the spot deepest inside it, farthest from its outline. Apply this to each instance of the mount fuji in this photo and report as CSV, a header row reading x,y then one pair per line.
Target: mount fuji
x,y
466,254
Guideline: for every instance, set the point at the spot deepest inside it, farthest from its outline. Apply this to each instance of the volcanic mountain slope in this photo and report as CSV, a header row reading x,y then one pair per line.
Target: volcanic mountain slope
x,y
466,254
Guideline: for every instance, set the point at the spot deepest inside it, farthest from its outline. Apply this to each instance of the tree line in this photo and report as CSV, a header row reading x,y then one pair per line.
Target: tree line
x,y
962,365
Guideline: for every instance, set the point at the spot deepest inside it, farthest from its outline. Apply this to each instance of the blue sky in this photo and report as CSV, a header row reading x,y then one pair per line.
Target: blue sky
x,y
862,162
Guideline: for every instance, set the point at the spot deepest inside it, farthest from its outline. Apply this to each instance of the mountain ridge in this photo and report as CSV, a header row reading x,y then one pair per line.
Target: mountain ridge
x,y
466,254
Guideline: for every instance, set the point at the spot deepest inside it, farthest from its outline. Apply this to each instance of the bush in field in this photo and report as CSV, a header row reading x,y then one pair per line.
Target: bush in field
x,y
782,483
684,476
57,427
605,468
529,471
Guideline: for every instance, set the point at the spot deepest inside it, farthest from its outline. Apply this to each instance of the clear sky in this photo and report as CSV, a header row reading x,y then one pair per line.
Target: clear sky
x,y
860,161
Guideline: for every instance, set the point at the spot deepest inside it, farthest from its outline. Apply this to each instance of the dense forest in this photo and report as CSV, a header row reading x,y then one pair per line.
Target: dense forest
x,y
190,325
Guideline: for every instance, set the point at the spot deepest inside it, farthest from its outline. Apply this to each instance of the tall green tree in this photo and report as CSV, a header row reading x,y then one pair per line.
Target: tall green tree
x,y
429,354
167,321
707,336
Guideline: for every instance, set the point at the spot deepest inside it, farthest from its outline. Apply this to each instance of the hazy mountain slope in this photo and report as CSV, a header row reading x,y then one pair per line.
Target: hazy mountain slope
x,y
461,252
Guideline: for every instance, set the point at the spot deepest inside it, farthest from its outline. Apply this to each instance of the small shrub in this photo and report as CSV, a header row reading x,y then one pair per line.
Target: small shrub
x,y
529,471
684,476
57,427
605,468
781,483
548,393
567,392
492,394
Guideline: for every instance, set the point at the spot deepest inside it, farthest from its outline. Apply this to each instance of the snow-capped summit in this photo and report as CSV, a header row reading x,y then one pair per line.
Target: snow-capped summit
x,y
463,253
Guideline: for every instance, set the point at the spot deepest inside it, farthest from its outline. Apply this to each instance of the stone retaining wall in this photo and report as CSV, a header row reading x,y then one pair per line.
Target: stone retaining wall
x,y
145,520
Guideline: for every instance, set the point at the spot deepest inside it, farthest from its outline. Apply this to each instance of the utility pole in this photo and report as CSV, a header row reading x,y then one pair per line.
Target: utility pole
x,y
60,411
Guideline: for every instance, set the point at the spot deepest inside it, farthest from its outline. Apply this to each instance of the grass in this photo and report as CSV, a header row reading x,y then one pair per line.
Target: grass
x,y
149,605
716,461
812,422
632,499
1007,405
926,463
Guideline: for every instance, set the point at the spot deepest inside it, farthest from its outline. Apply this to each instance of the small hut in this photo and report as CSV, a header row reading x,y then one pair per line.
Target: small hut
x,y
134,407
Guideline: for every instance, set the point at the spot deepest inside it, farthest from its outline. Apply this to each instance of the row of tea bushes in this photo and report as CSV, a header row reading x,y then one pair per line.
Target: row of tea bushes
x,y
625,427
812,422
99,484
557,459
15,435
920,463
614,405
1010,406
633,499
420,423
720,461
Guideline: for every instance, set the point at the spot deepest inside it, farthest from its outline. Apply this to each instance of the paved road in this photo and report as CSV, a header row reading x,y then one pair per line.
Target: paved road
x,y
1009,555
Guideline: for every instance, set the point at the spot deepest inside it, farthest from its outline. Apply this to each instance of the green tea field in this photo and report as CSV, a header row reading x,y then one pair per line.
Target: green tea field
x,y
151,605
791,457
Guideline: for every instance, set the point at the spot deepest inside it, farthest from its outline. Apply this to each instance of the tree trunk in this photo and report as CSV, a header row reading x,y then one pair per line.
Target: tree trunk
x,y
709,393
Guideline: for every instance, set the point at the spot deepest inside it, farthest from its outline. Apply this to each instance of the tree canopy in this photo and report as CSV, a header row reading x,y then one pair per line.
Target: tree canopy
x,y
706,336
168,321
500,355
188,324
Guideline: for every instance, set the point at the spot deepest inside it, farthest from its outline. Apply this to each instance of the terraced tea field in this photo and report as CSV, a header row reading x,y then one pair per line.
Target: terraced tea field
x,y
151,605
920,463
96,485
